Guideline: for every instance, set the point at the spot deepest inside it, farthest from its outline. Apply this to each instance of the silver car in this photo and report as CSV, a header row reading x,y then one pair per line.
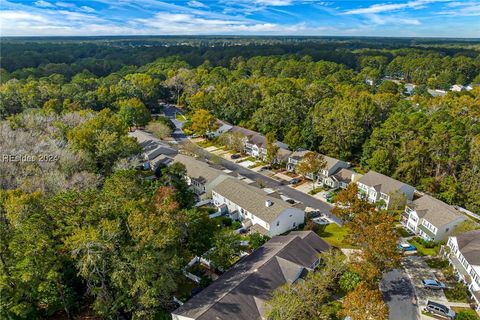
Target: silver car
x,y
440,309
433,284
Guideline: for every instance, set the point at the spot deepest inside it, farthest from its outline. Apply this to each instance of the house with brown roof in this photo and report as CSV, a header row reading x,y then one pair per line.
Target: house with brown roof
x,y
257,210
241,292
379,188
431,219
464,256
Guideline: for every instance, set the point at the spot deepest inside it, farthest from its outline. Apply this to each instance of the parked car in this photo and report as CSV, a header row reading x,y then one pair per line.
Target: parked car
x,y
439,309
291,201
294,181
266,168
406,247
433,284
235,156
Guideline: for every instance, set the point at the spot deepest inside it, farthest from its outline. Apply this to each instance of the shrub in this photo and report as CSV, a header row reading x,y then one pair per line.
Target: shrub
x,y
349,280
458,293
425,243
236,225
467,315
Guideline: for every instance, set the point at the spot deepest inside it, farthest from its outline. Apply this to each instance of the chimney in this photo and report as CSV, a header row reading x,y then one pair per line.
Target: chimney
x,y
268,203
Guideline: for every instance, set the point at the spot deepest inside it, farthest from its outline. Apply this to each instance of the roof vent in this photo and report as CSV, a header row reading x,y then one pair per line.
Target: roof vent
x,y
268,203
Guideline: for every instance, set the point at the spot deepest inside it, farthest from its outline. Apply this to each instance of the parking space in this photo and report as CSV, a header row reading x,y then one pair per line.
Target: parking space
x,y
417,270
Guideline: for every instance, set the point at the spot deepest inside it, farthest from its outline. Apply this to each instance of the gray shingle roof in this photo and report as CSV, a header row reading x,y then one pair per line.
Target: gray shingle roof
x,y
382,182
435,211
198,170
256,138
330,162
240,292
469,246
251,199
344,175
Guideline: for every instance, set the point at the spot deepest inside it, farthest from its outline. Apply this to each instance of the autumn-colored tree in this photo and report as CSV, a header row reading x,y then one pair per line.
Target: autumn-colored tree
x,y
371,229
272,148
349,204
202,122
364,303
310,165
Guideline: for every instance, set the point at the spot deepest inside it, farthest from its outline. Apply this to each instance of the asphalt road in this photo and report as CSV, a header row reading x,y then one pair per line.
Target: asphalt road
x,y
399,294
306,199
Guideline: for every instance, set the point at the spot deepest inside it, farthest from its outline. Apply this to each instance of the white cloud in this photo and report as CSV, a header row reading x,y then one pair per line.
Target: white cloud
x,y
87,9
44,4
462,9
196,4
274,3
65,4
388,7
392,20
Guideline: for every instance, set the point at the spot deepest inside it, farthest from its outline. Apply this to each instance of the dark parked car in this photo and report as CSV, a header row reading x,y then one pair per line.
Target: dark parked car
x,y
440,309
235,156
291,201
294,181
433,284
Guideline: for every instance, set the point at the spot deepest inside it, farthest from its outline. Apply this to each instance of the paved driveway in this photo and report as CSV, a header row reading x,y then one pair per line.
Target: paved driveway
x,y
417,270
399,294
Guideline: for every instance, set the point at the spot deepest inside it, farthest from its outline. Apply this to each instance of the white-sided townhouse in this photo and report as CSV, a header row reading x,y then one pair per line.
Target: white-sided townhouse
x,y
431,219
464,256
379,188
200,176
257,210
256,143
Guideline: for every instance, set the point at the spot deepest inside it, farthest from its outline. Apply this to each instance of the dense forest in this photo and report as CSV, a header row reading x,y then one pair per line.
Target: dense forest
x,y
74,229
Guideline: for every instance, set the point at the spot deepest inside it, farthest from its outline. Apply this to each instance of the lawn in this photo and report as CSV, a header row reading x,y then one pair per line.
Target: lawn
x,y
424,251
335,235
466,313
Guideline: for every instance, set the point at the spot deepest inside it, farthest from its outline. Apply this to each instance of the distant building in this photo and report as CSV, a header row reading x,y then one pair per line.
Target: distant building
x,y
241,292
295,158
222,127
343,177
326,175
201,177
155,151
457,87
256,143
256,209
431,219
464,256
376,187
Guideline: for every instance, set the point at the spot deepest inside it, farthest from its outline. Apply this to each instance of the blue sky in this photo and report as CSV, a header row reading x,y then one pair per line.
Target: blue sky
x,y
409,18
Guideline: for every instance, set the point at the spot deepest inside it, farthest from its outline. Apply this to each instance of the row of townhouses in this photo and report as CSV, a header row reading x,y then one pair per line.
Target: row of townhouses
x,y
425,216
257,210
